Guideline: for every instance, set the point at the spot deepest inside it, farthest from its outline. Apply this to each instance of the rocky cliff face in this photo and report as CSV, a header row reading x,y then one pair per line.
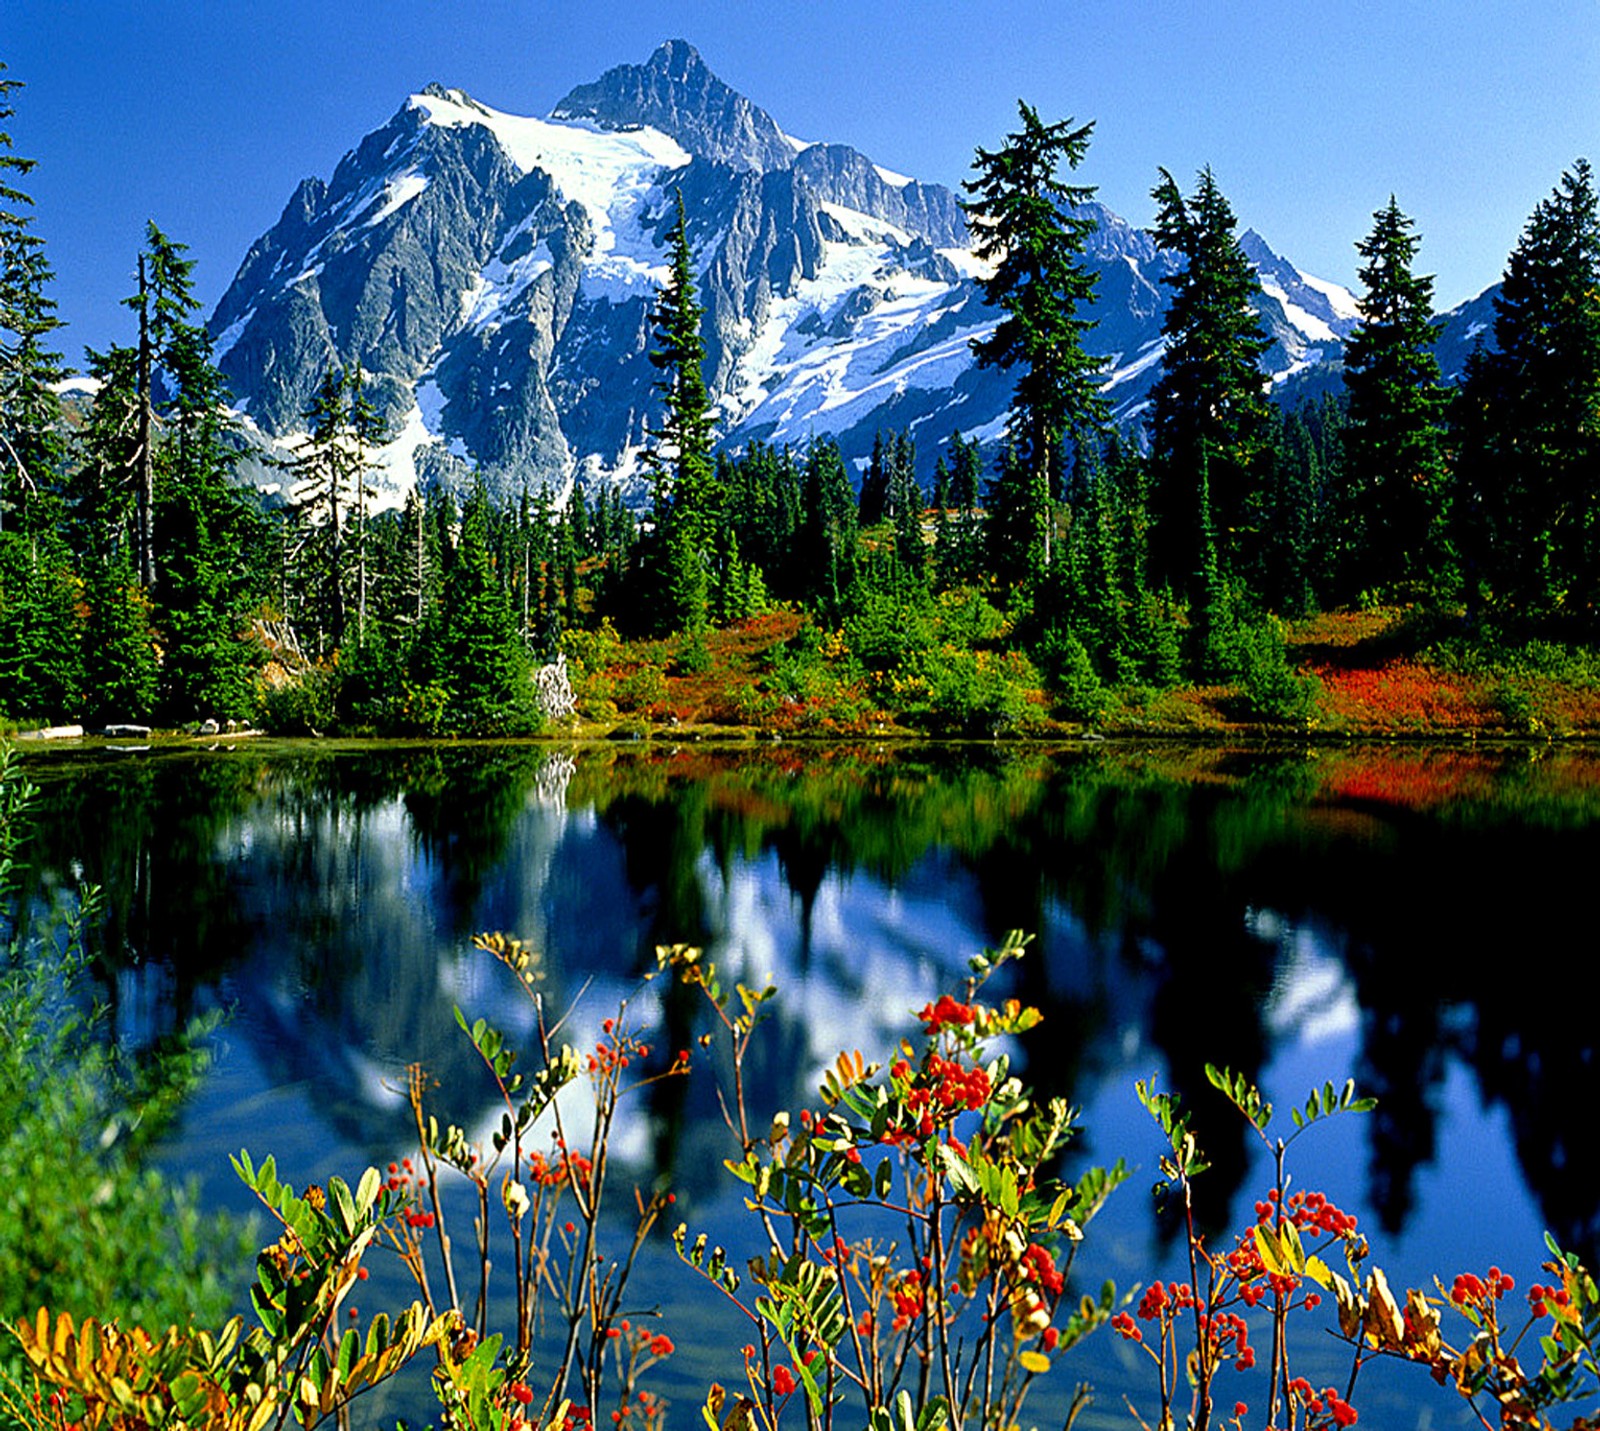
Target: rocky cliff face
x,y
494,276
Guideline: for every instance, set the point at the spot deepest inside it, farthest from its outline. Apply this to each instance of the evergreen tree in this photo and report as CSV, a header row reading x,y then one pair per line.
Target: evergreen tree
x,y
1528,417
329,496
1285,561
470,645
905,506
164,301
1099,604
100,491
41,653
826,542
31,445
1012,521
198,544
1030,226
966,481
121,670
1209,411
686,506
366,432
1394,469
873,505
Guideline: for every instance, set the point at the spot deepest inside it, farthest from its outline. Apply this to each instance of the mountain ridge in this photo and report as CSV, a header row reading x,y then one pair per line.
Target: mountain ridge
x,y
494,277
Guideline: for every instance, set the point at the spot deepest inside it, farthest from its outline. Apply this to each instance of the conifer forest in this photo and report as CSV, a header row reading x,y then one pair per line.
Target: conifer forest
x,y
1077,572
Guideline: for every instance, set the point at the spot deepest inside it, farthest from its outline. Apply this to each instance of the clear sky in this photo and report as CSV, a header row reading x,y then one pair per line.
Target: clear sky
x,y
204,114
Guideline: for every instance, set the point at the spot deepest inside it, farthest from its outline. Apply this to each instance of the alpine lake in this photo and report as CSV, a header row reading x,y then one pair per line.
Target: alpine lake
x,y
1415,917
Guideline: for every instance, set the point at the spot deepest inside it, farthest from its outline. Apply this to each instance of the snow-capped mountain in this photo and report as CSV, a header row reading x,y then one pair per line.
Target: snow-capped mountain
x,y
494,276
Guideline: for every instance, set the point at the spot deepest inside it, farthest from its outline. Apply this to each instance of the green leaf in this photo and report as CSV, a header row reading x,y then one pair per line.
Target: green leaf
x,y
349,1351
340,1193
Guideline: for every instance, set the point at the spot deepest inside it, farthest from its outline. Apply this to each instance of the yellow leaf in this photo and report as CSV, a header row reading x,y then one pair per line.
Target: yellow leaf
x,y
742,1417
1320,1273
1035,1362
1267,1247
1294,1252
1383,1322
1422,1326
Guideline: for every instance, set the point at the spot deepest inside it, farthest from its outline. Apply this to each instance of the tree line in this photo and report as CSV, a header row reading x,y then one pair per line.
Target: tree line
x,y
139,580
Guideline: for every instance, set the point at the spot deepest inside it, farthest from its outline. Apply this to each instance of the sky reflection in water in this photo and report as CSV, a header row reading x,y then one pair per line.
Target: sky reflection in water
x,y
1300,916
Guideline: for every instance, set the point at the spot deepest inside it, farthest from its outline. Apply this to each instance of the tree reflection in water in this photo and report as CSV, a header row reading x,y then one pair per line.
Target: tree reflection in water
x,y
328,894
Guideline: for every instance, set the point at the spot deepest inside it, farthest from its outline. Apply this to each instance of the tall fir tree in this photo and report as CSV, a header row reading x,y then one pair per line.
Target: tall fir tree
x,y
1209,413
1394,474
163,302
873,505
122,670
1030,226
1528,418
686,505
41,627
31,443
101,488
329,497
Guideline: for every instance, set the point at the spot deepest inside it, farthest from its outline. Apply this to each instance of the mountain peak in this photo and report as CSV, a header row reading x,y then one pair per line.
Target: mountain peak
x,y
676,92
677,59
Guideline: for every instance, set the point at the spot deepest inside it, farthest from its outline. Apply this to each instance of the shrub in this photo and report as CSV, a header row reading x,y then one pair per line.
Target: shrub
x,y
974,693
1273,689
306,704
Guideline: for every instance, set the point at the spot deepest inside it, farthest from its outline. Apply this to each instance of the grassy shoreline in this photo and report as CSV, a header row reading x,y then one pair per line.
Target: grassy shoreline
x,y
1380,675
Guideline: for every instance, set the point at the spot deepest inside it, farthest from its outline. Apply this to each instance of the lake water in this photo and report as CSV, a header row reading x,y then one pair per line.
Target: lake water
x,y
1420,919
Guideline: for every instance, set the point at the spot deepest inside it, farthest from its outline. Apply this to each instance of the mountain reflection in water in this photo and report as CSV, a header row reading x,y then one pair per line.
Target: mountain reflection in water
x,y
1412,917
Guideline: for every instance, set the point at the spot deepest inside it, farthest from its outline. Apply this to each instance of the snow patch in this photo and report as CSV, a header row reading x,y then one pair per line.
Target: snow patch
x,y
85,385
823,359
613,174
967,263
231,335
865,228
1312,326
1340,299
990,432
889,177
393,472
397,192
1149,356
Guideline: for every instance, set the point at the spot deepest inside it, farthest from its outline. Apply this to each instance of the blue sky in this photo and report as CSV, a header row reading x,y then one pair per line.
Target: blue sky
x,y
204,114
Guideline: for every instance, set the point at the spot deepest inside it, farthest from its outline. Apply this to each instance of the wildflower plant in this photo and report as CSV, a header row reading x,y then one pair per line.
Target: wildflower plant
x,y
548,1198
916,1275
918,1244
1282,1267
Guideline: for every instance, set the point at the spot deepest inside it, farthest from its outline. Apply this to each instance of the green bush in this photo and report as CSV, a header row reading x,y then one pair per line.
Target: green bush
x,y
1273,690
975,693
306,705
886,629
90,1228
